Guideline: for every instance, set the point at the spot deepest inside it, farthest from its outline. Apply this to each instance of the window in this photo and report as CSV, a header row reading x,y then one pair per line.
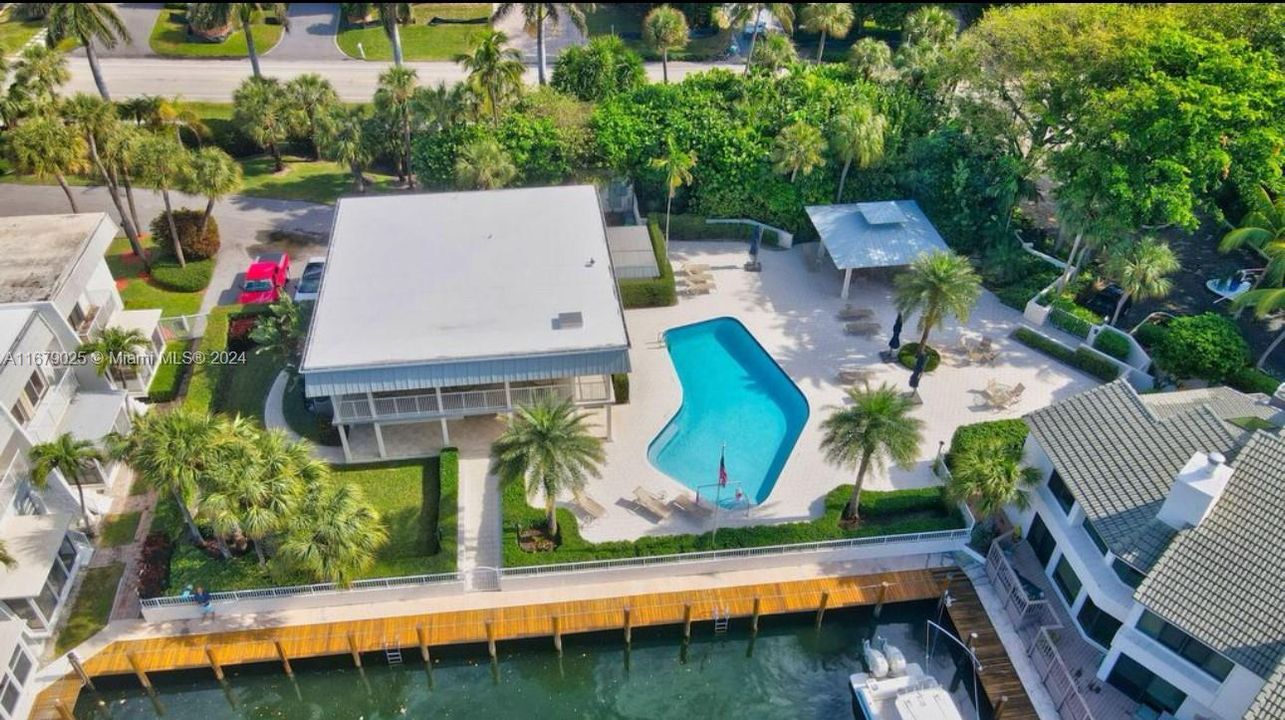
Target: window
x,y
1095,537
22,608
1144,686
35,387
1099,625
1184,646
76,316
1041,541
1061,492
8,696
20,664
21,413
1067,581
1128,574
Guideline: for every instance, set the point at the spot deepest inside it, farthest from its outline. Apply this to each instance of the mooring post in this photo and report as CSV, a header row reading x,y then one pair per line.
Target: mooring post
x,y
687,621
557,634
422,635
63,712
214,663
285,659
138,670
352,647
490,639
80,670
883,595
825,600
754,617
629,628
999,707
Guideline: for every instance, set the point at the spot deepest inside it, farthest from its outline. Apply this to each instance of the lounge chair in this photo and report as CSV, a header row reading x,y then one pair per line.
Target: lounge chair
x,y
697,289
854,374
855,313
590,506
694,269
651,502
699,280
1015,395
864,328
693,506
984,352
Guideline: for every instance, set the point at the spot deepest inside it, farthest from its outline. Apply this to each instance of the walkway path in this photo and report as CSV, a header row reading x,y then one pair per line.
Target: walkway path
x,y
274,418
479,536
139,19
311,35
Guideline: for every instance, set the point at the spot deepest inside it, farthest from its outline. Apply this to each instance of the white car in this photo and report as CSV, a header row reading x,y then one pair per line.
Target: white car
x,y
310,281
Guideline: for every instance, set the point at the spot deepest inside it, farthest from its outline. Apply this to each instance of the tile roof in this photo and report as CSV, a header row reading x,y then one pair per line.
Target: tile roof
x,y
1227,403
1270,703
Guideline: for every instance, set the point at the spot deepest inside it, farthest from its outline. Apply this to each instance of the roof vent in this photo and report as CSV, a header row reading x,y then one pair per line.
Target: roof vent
x,y
568,320
1195,491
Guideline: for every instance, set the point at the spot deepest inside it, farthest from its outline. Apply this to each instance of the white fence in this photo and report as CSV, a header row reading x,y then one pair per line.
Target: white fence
x,y
360,408
183,327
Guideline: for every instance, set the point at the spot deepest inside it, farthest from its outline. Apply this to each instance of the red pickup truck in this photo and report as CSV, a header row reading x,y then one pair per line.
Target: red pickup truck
x,y
265,279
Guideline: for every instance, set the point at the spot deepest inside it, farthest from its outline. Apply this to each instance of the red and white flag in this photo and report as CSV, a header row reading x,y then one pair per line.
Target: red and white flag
x,y
722,468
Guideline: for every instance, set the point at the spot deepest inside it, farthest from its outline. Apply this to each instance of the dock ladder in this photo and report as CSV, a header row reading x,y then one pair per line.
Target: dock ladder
x,y
393,652
722,616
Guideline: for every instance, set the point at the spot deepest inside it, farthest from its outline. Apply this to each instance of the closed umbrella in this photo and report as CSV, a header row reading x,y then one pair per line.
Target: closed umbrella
x,y
918,372
895,342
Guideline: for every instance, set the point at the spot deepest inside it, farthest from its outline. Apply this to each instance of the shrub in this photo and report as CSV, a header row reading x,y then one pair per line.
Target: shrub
x,y
188,222
1070,317
1253,380
169,375
448,469
193,277
651,292
908,352
1150,335
1207,346
154,565
1113,343
697,227
620,384
598,70
1080,358
1011,432
1025,287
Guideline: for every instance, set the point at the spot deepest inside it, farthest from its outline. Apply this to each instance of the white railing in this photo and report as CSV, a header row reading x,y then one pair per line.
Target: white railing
x,y
44,422
359,408
183,327
104,305
301,590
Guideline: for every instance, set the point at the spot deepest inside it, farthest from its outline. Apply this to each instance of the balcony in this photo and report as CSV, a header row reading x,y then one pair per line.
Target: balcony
x,y
49,412
102,306
592,390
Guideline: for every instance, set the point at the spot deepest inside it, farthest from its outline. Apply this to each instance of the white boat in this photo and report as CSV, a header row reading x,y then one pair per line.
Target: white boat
x,y
896,659
876,663
913,696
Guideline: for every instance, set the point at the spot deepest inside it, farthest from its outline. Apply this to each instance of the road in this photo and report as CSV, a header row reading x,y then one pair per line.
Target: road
x,y
215,80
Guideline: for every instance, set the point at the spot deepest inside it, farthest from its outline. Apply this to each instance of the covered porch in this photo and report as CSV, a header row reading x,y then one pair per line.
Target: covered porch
x,y
137,378
859,236
48,555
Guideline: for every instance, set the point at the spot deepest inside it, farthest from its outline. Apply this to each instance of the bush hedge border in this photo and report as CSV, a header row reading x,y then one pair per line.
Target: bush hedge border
x,y
1114,343
651,292
1079,358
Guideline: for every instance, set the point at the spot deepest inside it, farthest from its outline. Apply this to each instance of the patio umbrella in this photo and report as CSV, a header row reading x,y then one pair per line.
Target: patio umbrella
x,y
918,372
895,342
755,239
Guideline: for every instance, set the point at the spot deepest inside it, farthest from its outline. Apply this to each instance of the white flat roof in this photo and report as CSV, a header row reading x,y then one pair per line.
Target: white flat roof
x,y
445,277
880,234
40,251
12,321
33,541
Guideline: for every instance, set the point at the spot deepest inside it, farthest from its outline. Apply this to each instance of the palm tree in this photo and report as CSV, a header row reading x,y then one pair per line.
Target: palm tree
x,y
95,119
1141,271
536,14
87,23
241,16
37,75
833,19
120,154
6,558
172,452
857,136
776,52
71,458
799,147
163,164
214,174
390,16
870,57
261,484
1262,228
333,535
874,428
988,475
259,110
677,165
397,87
665,29
931,25
482,164
44,147
281,331
114,351
311,98
494,70
343,139
173,112
730,15
547,446
1265,302
937,285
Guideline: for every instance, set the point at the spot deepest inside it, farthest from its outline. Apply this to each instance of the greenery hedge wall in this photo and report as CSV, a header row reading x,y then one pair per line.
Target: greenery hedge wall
x,y
169,375
448,469
620,383
1012,432
698,227
651,292
193,277
209,378
1064,317
1080,358
1253,380
1113,343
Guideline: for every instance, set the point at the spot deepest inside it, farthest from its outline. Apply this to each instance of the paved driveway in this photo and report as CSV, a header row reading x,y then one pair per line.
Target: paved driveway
x,y
312,33
139,18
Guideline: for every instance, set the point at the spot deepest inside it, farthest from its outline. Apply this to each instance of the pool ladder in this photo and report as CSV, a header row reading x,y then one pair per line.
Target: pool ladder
x,y
393,652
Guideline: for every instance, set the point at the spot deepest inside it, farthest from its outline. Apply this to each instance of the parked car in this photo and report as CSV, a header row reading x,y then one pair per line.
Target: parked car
x,y
265,279
310,281
1103,302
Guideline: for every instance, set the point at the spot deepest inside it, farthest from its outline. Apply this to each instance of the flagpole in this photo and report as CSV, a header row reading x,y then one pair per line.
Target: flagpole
x,y
718,496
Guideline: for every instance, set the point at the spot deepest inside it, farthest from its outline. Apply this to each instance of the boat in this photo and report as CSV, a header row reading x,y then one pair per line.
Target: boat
x,y
876,663
912,696
896,659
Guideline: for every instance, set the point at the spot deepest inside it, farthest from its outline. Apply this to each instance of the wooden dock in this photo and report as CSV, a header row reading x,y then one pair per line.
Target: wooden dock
x,y
998,678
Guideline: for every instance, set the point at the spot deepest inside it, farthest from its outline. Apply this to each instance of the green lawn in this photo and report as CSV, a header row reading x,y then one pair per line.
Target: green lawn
x,y
420,41
137,291
319,181
93,606
119,530
169,38
244,388
625,20
15,33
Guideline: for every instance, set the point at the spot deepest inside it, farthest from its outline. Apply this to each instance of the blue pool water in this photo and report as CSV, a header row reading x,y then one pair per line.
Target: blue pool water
x,y
733,394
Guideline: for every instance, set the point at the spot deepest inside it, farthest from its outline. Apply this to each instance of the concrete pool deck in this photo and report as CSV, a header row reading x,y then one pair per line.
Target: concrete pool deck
x,y
791,310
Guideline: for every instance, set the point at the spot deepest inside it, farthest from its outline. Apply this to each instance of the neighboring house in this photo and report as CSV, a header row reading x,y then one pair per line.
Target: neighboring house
x,y
1161,524
17,667
440,306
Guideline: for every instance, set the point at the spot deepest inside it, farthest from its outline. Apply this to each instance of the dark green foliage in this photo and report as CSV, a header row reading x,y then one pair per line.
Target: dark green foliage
x,y
1011,432
1113,343
1080,358
598,70
1253,380
169,375
620,384
1150,335
907,353
1072,318
188,222
654,292
449,477
1207,346
695,227
537,148
193,277
1014,275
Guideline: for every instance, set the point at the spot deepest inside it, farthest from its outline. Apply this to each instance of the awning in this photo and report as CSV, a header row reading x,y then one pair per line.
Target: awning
x,y
875,234
33,541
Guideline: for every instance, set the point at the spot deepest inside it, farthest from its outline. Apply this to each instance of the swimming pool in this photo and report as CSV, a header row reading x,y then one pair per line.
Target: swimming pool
x,y
734,394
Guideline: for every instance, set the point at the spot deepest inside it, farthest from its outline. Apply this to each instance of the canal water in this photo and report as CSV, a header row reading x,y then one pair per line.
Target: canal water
x,y
790,670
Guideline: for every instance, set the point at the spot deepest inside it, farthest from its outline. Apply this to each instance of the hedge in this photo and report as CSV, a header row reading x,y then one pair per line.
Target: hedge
x,y
193,277
448,473
620,383
1253,380
697,227
882,513
1150,335
1113,343
1207,346
1063,316
188,222
910,352
208,378
651,292
1079,358
1011,432
169,374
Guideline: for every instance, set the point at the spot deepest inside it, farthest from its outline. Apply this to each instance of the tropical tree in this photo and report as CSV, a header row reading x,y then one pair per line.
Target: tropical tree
x,y
114,351
495,71
87,23
1141,271
391,15
1263,229
857,136
333,535
310,98
343,139
799,147
829,19
44,147
774,53
931,25
281,331
120,155
163,164
213,173
731,15
174,113
1265,302
547,446
241,16
71,458
664,29
937,285
95,119
990,476
260,111
874,428
37,75
483,164
396,90
536,14
870,57
676,164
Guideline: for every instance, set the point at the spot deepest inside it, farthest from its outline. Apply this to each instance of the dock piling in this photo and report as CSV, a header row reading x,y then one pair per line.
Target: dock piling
x,y
629,628
138,670
352,647
754,618
687,621
214,663
422,635
490,639
63,712
557,634
999,707
825,600
285,659
883,595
